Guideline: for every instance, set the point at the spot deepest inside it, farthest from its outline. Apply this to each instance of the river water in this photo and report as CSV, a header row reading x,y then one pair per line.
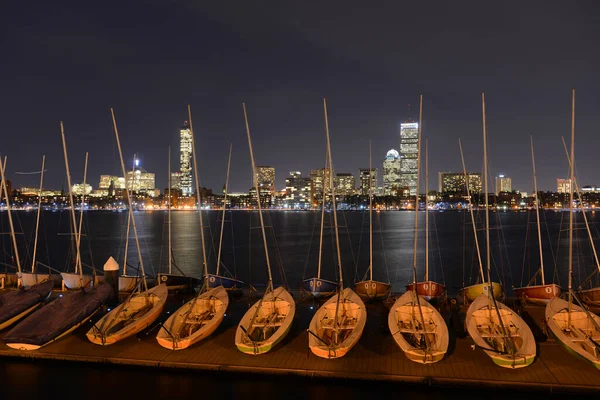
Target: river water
x,y
294,238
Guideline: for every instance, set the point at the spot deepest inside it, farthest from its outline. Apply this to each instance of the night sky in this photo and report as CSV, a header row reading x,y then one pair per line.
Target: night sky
x,y
73,61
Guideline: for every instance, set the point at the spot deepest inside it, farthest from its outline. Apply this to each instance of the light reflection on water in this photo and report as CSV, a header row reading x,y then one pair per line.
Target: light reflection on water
x,y
452,256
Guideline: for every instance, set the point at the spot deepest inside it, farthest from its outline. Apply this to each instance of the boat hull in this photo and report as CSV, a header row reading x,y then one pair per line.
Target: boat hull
x,y
207,314
29,279
229,284
127,283
352,317
401,322
483,325
429,290
17,304
590,297
179,283
73,281
372,290
275,313
474,291
539,294
123,317
581,328
319,288
57,319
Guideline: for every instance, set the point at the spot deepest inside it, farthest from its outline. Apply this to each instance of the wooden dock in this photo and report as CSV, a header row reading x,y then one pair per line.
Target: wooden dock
x,y
375,357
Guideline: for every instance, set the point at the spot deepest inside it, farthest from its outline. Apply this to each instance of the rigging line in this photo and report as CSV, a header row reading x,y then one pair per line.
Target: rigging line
x,y
354,259
362,224
439,250
387,272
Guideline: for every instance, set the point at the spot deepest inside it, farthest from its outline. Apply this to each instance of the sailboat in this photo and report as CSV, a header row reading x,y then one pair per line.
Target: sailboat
x,y
494,327
339,323
141,308
202,315
371,289
128,283
61,316
316,286
230,283
416,326
574,326
29,279
472,292
531,293
17,304
74,280
175,282
429,289
268,321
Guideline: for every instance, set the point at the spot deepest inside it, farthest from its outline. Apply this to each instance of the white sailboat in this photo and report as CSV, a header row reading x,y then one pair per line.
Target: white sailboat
x,y
202,315
532,293
128,283
499,331
369,288
17,304
230,283
141,308
416,326
317,286
268,321
29,279
62,315
471,292
339,323
175,282
74,280
574,326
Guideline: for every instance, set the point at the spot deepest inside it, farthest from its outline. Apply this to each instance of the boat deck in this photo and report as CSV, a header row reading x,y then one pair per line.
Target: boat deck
x,y
376,356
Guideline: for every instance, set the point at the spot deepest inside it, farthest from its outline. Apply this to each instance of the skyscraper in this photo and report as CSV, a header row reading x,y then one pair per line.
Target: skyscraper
x,y
318,178
344,183
392,166
363,176
563,185
409,149
503,184
266,179
297,190
185,160
455,183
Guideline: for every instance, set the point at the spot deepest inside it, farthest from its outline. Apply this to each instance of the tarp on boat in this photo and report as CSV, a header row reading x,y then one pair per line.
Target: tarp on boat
x,y
51,321
14,302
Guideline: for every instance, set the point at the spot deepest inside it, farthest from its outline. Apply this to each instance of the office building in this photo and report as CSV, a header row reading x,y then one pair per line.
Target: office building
x,y
185,160
563,185
365,176
503,184
392,173
409,150
344,184
266,179
455,183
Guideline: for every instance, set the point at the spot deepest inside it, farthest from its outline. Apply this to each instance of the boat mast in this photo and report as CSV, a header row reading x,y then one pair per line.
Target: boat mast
x,y
81,220
416,228
426,213
322,218
129,202
37,221
370,215
10,221
332,187
571,181
537,212
73,220
256,188
462,157
199,198
169,213
128,217
224,208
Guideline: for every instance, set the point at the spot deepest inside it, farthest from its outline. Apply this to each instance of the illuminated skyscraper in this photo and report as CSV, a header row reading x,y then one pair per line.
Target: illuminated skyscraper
x,y
503,184
563,185
266,179
363,176
455,183
185,160
344,184
409,148
392,178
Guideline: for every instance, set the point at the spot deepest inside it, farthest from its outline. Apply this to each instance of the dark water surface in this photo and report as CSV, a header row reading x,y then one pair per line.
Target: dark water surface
x,y
293,238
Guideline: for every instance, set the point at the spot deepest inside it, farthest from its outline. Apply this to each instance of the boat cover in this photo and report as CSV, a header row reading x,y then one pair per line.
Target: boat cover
x,y
51,321
14,302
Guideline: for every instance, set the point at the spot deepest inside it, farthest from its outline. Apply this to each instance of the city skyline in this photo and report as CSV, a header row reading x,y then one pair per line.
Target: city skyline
x,y
369,67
